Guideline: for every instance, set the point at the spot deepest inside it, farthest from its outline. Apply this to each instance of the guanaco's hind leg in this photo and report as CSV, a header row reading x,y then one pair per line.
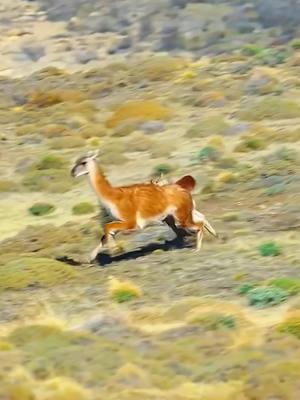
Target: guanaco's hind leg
x,y
170,221
185,219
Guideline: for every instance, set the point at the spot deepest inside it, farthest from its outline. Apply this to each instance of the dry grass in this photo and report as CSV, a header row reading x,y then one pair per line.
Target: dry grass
x,y
146,110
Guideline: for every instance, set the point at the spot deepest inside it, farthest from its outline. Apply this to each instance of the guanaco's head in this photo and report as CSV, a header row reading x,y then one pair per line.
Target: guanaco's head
x,y
81,166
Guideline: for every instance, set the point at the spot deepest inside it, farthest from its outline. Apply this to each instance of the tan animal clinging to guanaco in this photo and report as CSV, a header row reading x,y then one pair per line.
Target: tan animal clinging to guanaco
x,y
138,205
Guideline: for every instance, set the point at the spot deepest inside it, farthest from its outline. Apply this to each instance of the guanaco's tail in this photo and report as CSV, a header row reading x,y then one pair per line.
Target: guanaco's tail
x,y
187,182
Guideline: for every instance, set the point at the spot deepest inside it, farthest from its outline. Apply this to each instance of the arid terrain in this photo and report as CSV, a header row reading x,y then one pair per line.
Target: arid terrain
x,y
210,89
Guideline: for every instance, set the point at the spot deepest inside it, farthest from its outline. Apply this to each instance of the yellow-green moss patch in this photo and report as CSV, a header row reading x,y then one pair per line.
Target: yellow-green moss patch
x,y
29,271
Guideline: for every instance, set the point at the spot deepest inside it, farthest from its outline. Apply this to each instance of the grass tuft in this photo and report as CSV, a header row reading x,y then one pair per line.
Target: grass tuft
x,y
123,291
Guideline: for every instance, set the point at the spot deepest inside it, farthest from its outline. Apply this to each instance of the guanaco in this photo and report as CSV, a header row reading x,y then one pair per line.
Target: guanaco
x,y
139,205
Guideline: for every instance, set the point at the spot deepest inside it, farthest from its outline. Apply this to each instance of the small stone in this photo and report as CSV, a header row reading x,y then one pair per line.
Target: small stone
x,y
34,53
30,140
85,56
150,127
24,165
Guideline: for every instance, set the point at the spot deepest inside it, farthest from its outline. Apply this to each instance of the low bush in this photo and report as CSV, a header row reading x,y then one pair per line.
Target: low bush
x,y
40,209
269,249
83,208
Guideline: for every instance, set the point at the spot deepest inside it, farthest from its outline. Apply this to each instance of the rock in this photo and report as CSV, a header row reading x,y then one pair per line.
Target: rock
x,y
262,82
85,56
125,43
113,327
275,12
238,129
97,23
145,27
169,37
150,127
34,53
24,165
30,140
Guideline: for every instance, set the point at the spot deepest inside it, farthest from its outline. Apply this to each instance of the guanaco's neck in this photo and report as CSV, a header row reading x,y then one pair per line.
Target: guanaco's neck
x,y
99,183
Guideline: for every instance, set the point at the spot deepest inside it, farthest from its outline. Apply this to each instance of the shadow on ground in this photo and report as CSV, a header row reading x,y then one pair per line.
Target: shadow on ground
x,y
104,259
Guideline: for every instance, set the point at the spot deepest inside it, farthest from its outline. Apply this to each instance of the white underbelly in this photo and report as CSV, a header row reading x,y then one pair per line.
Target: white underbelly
x,y
155,220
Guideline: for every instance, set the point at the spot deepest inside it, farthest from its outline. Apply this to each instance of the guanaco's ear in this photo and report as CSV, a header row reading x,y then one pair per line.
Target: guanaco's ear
x,y
93,154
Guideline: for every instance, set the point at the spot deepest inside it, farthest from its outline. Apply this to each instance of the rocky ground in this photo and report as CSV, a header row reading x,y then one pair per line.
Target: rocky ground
x,y
210,89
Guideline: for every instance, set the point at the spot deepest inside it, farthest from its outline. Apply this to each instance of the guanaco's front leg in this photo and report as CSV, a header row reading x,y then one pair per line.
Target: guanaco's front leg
x,y
110,230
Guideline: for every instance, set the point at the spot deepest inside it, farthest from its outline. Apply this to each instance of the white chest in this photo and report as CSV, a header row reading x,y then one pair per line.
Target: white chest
x,y
113,210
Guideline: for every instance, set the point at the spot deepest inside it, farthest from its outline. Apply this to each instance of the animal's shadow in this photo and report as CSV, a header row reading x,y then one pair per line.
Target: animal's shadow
x,y
104,259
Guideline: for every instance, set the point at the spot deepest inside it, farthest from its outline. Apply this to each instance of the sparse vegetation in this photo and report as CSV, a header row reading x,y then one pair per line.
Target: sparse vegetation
x,y
291,324
215,321
214,125
7,185
50,180
83,208
270,108
50,161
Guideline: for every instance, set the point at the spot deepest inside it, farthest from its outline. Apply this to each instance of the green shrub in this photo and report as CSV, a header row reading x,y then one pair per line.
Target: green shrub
x,y
269,249
272,56
40,209
292,286
162,169
50,161
250,143
245,288
295,44
276,189
251,50
83,208
266,296
208,153
122,291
